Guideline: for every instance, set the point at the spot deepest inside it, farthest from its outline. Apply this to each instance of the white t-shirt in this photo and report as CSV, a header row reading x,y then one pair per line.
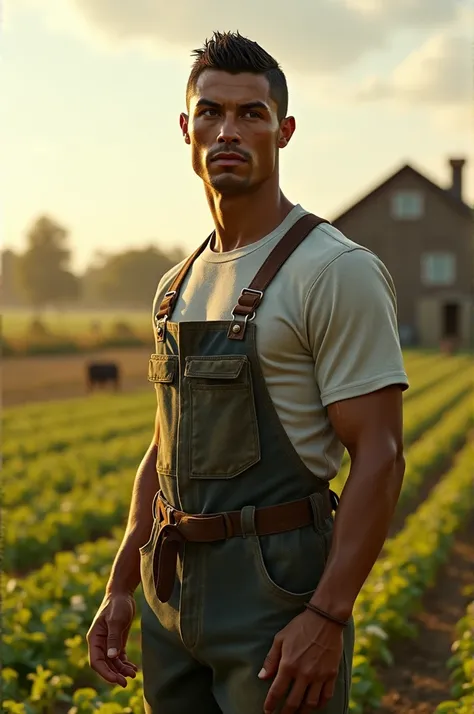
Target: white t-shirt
x,y
326,327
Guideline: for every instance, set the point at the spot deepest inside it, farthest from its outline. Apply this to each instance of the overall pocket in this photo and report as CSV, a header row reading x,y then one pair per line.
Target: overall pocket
x,y
290,565
163,372
224,439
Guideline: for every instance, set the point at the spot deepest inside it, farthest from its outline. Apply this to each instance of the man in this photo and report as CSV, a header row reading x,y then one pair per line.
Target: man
x,y
263,375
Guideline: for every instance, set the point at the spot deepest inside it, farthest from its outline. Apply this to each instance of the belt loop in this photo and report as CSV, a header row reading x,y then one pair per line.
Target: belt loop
x,y
229,531
316,503
247,521
153,505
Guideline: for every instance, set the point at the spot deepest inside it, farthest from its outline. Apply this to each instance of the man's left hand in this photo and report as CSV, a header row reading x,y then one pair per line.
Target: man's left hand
x,y
306,653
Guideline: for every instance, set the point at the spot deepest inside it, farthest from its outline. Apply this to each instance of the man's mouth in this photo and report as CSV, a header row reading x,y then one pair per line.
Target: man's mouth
x,y
228,159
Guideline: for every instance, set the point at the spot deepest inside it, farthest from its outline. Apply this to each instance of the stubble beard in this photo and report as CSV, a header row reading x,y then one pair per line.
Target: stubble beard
x,y
229,185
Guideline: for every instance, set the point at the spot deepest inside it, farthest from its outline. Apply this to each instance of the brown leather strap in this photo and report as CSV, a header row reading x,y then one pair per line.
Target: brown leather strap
x,y
164,561
178,527
168,301
251,297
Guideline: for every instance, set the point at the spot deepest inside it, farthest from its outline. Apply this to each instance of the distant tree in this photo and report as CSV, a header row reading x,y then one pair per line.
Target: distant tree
x,y
129,278
43,268
11,293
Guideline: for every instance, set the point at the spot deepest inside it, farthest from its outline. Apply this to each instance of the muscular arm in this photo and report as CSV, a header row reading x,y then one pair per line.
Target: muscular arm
x,y
125,574
370,427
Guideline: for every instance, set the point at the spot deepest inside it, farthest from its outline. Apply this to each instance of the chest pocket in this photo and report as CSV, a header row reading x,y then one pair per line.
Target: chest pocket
x,y
223,433
163,372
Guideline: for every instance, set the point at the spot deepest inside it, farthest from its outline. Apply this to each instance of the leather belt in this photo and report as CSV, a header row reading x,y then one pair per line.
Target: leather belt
x,y
177,527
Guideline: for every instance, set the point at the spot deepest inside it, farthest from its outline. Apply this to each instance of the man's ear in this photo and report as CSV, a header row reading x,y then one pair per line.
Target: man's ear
x,y
183,122
287,129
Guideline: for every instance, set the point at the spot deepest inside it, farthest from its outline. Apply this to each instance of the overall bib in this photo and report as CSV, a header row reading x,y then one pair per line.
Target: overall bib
x,y
242,528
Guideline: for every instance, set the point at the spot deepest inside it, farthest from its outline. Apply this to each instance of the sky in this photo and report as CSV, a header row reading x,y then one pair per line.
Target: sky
x,y
93,90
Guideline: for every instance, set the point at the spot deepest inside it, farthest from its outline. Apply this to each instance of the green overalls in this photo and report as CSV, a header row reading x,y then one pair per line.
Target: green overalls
x,y
218,589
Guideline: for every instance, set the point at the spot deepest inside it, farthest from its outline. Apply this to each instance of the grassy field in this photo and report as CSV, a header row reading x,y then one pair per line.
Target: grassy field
x,y
68,472
17,322
68,331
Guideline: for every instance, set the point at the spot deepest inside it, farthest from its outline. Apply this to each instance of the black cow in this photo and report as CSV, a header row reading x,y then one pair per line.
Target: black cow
x,y
99,373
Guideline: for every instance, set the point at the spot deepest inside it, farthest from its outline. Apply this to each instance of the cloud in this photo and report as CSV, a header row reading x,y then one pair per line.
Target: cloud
x,y
319,43
440,73
314,38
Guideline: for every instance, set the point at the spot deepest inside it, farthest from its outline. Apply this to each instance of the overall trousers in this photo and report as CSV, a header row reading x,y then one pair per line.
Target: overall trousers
x,y
242,528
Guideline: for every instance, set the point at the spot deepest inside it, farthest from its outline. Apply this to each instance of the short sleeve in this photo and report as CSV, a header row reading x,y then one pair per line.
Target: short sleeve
x,y
351,323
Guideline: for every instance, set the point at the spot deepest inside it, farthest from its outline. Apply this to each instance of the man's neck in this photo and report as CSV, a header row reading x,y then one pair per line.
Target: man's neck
x,y
244,219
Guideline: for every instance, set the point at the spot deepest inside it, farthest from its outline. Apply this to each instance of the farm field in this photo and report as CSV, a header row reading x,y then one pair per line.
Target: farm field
x,y
69,332
68,471
51,377
15,323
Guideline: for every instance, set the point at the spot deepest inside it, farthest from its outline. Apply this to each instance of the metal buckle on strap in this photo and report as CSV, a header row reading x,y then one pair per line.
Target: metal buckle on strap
x,y
160,326
250,316
243,318
244,291
161,323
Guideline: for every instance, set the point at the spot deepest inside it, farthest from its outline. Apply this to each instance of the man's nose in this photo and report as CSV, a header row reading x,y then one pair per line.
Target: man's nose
x,y
229,133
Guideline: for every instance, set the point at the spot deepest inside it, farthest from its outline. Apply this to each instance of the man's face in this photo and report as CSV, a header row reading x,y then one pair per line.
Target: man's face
x,y
234,131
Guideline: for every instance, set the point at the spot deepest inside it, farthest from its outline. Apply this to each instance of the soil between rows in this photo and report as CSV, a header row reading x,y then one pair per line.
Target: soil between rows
x,y
418,680
52,377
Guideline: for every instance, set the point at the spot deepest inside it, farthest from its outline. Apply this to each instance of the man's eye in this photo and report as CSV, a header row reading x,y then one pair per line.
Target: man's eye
x,y
252,115
209,112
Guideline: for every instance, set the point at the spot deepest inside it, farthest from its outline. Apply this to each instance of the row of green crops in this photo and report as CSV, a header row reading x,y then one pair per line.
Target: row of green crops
x,y
68,474
425,375
48,613
56,507
41,417
461,666
57,440
51,477
426,450
394,588
46,617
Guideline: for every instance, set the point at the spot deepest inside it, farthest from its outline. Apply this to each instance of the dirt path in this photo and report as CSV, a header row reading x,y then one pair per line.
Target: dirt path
x,y
418,680
44,378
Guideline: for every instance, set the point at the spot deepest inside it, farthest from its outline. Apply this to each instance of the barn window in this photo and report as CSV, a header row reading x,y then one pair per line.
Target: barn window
x,y
438,268
407,205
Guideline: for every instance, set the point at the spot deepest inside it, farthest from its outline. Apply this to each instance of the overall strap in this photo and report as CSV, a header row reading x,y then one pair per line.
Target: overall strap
x,y
251,297
169,299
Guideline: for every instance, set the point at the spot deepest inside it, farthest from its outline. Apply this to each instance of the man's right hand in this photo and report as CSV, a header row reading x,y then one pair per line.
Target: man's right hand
x,y
107,639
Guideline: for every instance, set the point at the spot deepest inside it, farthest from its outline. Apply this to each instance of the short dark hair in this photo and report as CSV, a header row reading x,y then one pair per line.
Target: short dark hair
x,y
233,53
